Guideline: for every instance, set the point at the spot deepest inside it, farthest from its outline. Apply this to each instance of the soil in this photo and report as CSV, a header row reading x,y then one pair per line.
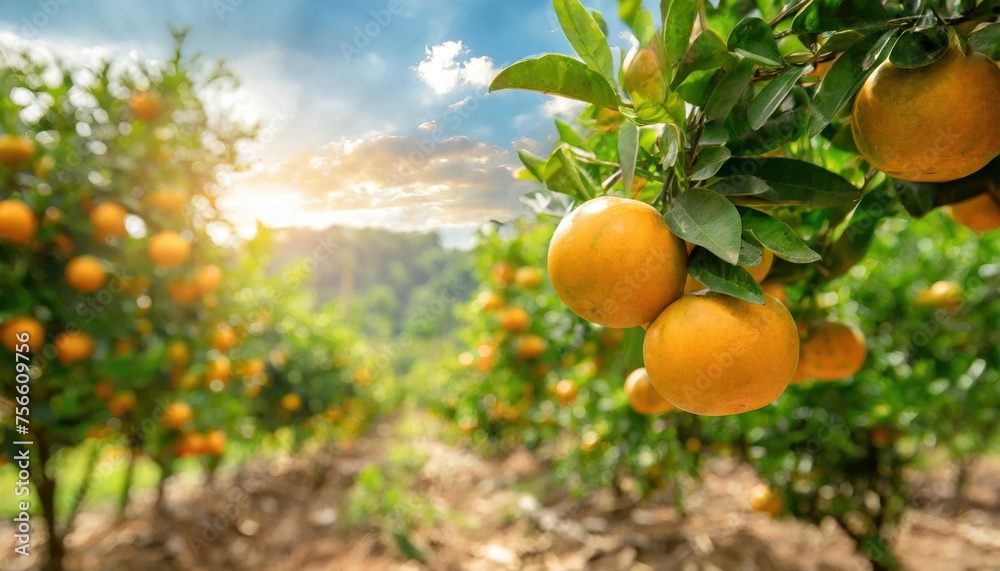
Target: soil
x,y
288,514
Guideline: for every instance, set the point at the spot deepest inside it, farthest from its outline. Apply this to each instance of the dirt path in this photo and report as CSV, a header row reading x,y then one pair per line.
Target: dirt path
x,y
289,514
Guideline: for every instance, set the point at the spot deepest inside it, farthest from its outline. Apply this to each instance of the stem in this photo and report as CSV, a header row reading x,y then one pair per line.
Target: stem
x,y
81,494
786,13
47,497
127,486
166,469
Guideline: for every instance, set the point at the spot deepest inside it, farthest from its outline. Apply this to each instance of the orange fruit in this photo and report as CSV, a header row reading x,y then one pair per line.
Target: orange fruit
x,y
614,262
611,338
208,278
219,369
776,290
215,442
170,200
713,354
18,223
168,249
15,326
489,300
468,424
566,391
692,445
943,295
104,390
108,219
935,123
503,274
486,357
178,353
764,499
44,167
608,120
644,79
832,350
146,105
291,402
73,346
515,320
64,244
758,273
980,213
642,396
176,415
85,274
15,151
527,277
253,367
183,291
529,347
590,441
123,347
190,444
224,337
122,403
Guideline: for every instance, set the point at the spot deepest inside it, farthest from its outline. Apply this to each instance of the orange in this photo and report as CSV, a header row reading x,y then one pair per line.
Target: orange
x,y
104,390
170,200
611,338
178,353
219,369
608,120
943,295
44,167
614,262
108,219
121,404
713,354
73,346
15,326
503,274
764,499
291,402
208,278
146,105
489,301
642,396
15,152
644,79
183,291
590,441
123,347
85,274
934,123
776,290
529,347
215,443
64,244
527,277
486,358
253,367
832,350
566,391
168,249
758,273
980,213
515,320
18,223
468,424
176,415
692,445
190,444
224,337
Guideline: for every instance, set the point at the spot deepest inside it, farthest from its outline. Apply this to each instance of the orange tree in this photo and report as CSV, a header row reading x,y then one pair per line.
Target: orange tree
x,y
775,141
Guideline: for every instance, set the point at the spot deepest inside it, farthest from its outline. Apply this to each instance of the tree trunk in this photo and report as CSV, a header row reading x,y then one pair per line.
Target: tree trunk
x,y
127,486
81,494
161,488
47,497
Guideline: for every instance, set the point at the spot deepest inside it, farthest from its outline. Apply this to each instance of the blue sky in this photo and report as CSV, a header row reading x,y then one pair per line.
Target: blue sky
x,y
425,67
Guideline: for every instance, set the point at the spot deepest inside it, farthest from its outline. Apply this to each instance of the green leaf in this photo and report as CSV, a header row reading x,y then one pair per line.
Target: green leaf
x,y
578,183
548,203
840,41
750,252
534,163
707,51
585,35
774,93
842,81
916,197
729,90
777,236
786,124
707,219
987,40
794,181
720,276
601,23
853,243
670,144
559,75
917,48
567,134
644,27
835,15
628,151
743,185
710,160
677,27
752,38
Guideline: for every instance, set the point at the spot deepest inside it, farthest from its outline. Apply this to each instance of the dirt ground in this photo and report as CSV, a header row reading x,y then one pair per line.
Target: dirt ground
x,y
286,515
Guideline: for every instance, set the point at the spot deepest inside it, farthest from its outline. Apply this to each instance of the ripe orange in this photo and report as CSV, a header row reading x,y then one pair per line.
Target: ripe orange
x,y
764,499
208,278
18,223
468,424
566,391
108,219
104,390
176,415
529,347
758,273
253,367
122,403
224,337
291,402
15,151
190,444
692,445
934,123
943,295
832,350
980,213
613,261
590,441
611,338
170,200
168,249
64,244
85,274
515,320
644,79
215,443
528,277
503,274
486,357
11,328
183,291
776,290
489,300
73,346
642,396
219,369
178,353
714,354
44,167
146,105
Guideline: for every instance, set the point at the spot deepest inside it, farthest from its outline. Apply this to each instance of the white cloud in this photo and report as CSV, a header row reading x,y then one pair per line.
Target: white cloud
x,y
563,107
442,71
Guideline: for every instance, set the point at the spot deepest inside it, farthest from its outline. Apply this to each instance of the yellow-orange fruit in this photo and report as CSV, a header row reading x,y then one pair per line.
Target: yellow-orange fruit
x,y
64,244
178,353
935,123
168,249
490,301
15,151
764,499
611,338
190,444
224,337
776,290
169,200
208,278
566,392
121,404
613,261
104,391
215,442
146,105
642,396
528,277
183,291
219,369
529,347
85,274
291,402
11,328
644,78
943,295
832,350
503,274
108,219
253,367
980,213
176,415
515,320
18,223
73,346
714,354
